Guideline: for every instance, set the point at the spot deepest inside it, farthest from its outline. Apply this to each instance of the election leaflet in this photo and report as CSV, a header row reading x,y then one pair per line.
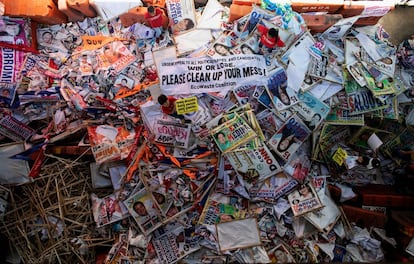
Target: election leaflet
x,y
360,99
172,133
273,188
108,210
277,84
110,143
174,243
259,162
181,15
312,110
289,137
232,134
304,200
116,55
144,210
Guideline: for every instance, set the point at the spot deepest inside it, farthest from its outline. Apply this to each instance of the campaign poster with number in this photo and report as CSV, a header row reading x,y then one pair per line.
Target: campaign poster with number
x,y
289,137
282,96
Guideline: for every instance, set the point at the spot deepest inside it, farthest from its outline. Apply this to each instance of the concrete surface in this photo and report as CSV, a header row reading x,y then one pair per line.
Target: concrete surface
x,y
399,23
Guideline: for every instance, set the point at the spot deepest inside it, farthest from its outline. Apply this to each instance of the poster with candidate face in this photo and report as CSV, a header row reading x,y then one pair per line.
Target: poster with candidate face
x,y
289,137
277,84
181,14
144,211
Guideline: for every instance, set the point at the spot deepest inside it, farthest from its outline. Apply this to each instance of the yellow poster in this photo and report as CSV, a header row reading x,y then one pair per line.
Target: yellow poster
x,y
186,105
339,156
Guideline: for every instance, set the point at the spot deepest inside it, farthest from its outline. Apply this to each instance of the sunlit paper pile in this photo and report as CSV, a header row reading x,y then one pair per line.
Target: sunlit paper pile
x,y
241,172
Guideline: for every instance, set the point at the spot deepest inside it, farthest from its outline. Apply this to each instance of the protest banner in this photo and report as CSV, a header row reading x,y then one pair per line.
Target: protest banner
x,y
204,75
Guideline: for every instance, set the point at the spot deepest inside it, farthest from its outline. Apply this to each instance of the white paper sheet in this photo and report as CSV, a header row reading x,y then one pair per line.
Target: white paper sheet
x,y
369,46
211,18
192,40
325,90
238,234
108,9
107,131
374,142
296,74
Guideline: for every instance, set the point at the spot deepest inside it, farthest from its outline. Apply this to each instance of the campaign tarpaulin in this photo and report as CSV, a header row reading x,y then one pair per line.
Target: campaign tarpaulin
x,y
11,61
204,75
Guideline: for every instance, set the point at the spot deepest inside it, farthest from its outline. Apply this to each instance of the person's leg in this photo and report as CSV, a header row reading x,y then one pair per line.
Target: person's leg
x,y
158,32
261,48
